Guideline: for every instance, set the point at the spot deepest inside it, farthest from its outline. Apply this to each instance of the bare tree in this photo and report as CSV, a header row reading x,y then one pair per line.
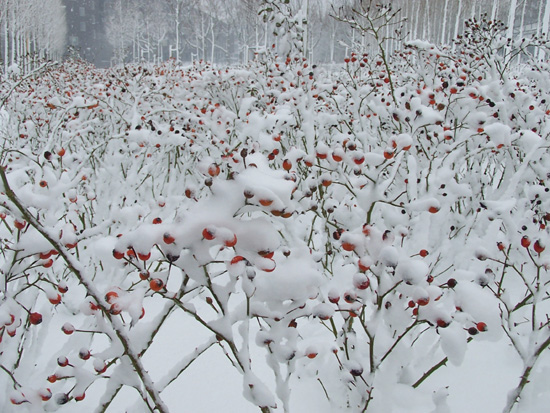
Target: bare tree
x,y
30,30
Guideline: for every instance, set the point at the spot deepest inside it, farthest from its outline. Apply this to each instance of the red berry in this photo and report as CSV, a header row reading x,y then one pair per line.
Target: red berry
x,y
326,182
361,281
266,253
525,241
337,158
45,255
451,282
156,284
110,296
433,209
115,309
366,230
80,397
321,155
99,366
348,246
213,170
287,165
12,319
232,242
144,257
48,263
68,328
269,265
168,239
350,297
501,246
442,323
208,233
358,160
236,259
481,326
118,255
84,354
62,361
62,288
311,355
423,253
423,301
363,267
19,224
333,296
45,394
35,318
56,300
538,247
52,378
157,221
18,400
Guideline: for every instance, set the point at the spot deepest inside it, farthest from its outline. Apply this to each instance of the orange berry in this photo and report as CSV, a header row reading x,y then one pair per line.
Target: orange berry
x,y
232,242
156,284
348,246
481,326
208,233
118,254
168,239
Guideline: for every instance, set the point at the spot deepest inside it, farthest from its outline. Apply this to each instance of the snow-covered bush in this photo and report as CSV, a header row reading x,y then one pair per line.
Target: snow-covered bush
x,y
334,236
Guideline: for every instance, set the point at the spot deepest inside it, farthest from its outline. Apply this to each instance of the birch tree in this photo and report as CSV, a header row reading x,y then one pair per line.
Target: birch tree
x,y
31,30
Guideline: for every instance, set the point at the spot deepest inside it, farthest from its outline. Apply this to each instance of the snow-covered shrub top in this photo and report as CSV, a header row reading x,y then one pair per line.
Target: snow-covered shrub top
x,y
315,226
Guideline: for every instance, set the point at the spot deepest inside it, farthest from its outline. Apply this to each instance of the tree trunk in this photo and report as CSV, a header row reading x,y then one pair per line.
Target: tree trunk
x,y
545,27
511,19
457,21
213,40
443,39
178,32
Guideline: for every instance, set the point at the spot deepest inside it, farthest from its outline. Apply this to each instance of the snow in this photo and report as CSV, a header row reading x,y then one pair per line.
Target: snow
x,y
339,278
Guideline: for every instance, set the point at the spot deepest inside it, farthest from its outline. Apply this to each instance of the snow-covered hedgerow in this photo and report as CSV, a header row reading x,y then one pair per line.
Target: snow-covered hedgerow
x,y
325,238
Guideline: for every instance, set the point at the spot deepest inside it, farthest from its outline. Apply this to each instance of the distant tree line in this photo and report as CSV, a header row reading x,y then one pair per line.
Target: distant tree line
x,y
233,31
